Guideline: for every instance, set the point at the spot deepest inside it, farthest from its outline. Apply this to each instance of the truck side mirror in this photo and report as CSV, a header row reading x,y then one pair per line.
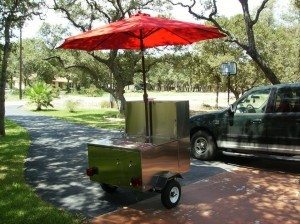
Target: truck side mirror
x,y
231,112
232,109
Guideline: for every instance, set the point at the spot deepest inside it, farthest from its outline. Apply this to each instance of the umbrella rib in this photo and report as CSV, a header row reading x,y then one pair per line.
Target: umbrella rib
x,y
211,31
185,38
179,36
151,32
109,36
145,36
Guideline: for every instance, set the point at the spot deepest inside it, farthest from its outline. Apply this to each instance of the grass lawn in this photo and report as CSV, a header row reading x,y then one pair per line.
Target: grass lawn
x,y
18,201
101,118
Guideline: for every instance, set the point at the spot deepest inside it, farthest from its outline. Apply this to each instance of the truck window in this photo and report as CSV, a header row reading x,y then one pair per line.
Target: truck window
x,y
255,102
287,100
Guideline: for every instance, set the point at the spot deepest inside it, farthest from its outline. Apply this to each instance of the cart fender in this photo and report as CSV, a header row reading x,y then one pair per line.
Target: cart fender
x,y
159,181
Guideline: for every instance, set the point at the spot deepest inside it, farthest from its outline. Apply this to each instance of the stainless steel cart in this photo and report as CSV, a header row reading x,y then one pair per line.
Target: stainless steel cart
x,y
142,163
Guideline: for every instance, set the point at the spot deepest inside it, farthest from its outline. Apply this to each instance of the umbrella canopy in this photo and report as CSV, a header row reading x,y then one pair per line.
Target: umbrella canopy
x,y
154,31
141,31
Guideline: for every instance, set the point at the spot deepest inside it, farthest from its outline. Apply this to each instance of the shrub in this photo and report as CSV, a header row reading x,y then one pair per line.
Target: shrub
x,y
72,105
55,92
93,91
105,104
41,95
204,105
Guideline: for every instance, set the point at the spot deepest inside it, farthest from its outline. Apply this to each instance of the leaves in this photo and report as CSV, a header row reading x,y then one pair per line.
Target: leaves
x,y
40,94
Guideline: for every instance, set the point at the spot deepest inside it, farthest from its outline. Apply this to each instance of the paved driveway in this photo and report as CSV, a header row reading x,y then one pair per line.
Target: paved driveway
x,y
57,160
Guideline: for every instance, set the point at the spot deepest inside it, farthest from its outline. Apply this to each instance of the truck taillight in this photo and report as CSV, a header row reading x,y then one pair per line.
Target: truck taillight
x,y
91,171
136,182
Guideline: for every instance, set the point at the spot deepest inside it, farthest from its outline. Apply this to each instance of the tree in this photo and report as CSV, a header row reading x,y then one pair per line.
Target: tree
x,y
13,13
248,44
34,65
297,4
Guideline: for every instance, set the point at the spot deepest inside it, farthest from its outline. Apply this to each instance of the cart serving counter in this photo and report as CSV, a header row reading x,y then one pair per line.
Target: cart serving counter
x,y
137,162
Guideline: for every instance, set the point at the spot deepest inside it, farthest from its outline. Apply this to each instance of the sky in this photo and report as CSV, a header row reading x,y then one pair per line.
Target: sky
x,y
227,8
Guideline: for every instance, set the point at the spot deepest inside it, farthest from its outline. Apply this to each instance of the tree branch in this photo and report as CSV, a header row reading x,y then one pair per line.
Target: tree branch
x,y
121,9
214,11
96,6
68,15
212,20
102,60
263,4
57,58
94,76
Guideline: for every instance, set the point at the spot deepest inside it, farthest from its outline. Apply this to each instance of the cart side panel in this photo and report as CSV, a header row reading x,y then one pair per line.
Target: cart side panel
x,y
170,119
183,116
184,154
135,118
116,166
162,158
164,122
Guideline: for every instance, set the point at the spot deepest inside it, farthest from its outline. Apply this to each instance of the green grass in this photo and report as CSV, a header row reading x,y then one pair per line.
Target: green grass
x,y
102,118
18,201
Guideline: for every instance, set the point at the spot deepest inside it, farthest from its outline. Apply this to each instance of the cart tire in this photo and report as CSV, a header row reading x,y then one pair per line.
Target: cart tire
x,y
108,188
171,193
203,146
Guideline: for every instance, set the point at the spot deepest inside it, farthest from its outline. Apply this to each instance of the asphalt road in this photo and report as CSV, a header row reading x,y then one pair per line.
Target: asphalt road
x,y
57,160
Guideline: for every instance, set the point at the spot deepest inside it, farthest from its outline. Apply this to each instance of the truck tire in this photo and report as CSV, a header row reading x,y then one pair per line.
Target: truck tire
x,y
108,188
171,193
203,146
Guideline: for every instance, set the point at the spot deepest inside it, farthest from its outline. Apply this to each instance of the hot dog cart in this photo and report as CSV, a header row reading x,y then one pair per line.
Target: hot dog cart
x,y
141,162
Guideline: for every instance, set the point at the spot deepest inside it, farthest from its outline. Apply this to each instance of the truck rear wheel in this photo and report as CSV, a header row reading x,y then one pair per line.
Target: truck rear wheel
x,y
203,146
108,188
171,193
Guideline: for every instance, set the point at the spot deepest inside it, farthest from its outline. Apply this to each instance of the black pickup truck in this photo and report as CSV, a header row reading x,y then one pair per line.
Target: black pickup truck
x,y
265,120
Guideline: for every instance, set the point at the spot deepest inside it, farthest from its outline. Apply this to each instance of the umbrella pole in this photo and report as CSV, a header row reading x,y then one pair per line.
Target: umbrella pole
x,y
145,97
145,89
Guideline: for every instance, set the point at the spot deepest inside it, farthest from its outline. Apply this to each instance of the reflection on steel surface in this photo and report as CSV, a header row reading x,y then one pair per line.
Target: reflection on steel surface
x,y
170,119
118,161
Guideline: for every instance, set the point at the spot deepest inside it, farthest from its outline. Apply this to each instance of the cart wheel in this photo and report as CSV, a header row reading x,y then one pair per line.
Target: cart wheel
x,y
170,195
108,188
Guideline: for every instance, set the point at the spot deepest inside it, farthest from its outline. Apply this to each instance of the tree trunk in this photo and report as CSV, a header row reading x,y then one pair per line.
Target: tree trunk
x,y
235,92
217,92
265,68
3,74
120,99
38,107
249,26
251,48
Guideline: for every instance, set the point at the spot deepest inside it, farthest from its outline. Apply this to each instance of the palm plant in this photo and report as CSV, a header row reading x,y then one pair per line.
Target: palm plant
x,y
40,94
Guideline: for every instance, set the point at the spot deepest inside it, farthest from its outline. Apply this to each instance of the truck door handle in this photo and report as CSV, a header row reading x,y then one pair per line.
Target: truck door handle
x,y
256,121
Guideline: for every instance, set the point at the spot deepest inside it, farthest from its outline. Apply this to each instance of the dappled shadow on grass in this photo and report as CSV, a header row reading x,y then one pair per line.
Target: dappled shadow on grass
x,y
107,119
56,165
96,120
19,203
44,110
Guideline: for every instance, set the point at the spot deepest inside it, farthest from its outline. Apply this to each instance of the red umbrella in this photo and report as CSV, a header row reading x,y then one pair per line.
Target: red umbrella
x,y
141,31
